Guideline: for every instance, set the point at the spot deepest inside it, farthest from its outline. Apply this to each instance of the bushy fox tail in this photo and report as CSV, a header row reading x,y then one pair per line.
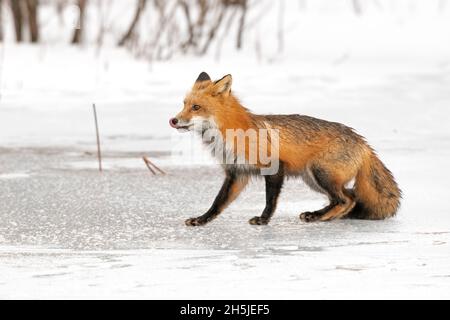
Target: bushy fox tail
x,y
376,192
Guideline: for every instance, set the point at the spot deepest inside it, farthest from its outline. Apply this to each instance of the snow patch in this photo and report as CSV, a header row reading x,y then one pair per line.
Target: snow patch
x,y
11,176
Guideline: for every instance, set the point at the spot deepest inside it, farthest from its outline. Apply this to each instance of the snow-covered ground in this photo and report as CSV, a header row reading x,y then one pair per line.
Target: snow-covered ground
x,y
67,231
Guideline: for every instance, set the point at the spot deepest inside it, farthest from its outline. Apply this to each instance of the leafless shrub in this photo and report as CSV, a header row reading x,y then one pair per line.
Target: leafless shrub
x,y
158,29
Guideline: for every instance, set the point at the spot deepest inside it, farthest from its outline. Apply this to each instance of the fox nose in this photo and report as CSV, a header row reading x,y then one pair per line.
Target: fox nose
x,y
173,122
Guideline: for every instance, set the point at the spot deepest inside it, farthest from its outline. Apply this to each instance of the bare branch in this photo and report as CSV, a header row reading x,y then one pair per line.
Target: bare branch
x,y
77,35
129,33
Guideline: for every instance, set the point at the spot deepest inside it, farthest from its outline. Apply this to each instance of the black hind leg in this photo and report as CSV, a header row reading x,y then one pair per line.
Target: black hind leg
x,y
341,200
315,215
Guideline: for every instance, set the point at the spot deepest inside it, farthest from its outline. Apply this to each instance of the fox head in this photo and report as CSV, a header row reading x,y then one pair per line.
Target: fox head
x,y
203,104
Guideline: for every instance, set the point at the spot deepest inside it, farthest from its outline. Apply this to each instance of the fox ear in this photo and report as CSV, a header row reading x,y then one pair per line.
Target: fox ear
x,y
223,86
203,77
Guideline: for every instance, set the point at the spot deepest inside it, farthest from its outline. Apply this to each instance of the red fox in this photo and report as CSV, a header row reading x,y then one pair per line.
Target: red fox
x,y
328,156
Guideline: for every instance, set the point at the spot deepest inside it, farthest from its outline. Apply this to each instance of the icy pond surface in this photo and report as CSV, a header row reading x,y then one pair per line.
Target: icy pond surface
x,y
76,233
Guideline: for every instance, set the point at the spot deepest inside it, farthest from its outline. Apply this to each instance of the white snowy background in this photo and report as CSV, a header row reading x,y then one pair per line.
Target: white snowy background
x,y
68,231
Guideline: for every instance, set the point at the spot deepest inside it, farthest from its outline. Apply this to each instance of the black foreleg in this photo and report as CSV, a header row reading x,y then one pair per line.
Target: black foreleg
x,y
231,188
274,184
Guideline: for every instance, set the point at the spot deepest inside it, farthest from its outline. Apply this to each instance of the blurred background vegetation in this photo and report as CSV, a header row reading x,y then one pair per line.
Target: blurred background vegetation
x,y
160,29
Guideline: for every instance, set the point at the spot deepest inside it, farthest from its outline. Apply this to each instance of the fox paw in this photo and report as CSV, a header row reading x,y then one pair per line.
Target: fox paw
x,y
258,221
194,222
309,217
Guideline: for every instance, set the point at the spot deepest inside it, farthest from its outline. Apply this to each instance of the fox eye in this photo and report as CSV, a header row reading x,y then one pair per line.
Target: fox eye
x,y
196,107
